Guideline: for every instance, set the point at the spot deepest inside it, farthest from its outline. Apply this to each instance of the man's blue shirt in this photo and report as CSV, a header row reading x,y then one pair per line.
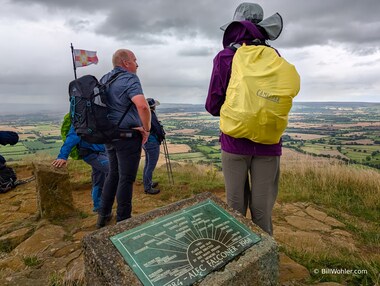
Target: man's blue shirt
x,y
119,98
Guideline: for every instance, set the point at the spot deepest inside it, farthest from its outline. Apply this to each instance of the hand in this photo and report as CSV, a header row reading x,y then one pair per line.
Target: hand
x,y
58,163
145,134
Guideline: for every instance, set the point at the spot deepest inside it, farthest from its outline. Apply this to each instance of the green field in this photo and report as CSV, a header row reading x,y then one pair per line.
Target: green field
x,y
362,152
309,119
19,148
208,149
14,153
38,145
193,157
47,127
358,153
318,148
42,139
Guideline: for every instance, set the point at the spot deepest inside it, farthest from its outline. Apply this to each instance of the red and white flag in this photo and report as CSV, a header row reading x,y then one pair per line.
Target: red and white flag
x,y
84,58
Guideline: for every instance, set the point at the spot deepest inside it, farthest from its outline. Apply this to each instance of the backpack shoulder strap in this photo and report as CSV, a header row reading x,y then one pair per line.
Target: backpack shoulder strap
x,y
125,113
234,46
113,77
255,42
258,42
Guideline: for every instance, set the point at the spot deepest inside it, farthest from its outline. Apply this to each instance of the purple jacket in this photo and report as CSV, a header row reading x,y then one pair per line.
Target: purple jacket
x,y
237,32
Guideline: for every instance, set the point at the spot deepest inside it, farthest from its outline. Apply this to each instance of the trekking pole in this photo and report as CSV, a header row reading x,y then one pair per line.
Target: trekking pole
x,y
168,164
24,181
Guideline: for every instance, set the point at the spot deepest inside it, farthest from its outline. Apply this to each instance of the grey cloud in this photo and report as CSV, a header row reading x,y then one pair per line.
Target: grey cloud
x,y
28,78
349,83
372,63
362,50
344,21
183,72
306,23
196,52
82,5
136,20
42,84
179,19
78,24
174,79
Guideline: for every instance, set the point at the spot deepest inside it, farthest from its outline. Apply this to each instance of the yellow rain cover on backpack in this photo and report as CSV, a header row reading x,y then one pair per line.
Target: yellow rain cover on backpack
x,y
259,95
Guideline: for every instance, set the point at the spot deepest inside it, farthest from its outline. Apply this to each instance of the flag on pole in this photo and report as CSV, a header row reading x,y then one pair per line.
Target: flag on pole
x,y
84,58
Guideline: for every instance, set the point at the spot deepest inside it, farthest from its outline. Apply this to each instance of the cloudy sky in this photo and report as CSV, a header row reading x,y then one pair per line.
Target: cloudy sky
x,y
334,45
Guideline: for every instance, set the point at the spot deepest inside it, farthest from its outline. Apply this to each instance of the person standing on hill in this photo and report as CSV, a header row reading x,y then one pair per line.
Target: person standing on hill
x,y
124,154
92,154
152,149
251,170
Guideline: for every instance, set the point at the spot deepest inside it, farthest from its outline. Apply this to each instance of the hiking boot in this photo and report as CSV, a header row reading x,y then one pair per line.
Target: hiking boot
x,y
152,191
103,221
154,184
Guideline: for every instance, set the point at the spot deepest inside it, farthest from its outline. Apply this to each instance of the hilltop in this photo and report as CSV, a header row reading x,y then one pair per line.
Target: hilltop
x,y
326,217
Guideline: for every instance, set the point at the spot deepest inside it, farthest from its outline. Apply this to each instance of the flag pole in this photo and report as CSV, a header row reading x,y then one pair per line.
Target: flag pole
x,y
72,55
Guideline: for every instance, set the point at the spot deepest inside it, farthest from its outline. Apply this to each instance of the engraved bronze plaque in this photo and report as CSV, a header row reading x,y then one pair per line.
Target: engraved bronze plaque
x,y
183,247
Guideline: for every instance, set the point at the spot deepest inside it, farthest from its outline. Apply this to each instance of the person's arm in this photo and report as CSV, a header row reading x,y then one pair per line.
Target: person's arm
x,y
72,139
220,77
144,114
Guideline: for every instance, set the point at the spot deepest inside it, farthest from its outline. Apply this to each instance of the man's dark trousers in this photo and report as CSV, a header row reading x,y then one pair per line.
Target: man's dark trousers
x,y
124,158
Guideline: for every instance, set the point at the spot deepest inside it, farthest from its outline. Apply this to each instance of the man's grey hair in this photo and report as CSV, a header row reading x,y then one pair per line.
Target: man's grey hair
x,y
119,56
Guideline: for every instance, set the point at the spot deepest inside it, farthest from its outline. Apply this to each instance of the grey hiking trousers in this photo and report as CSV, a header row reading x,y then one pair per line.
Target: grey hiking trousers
x,y
252,181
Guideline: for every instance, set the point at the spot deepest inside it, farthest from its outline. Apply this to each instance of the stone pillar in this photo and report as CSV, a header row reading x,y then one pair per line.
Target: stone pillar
x,y
54,193
104,265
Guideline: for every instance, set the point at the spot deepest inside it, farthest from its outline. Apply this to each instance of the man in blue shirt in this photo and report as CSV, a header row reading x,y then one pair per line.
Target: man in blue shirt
x,y
124,154
92,154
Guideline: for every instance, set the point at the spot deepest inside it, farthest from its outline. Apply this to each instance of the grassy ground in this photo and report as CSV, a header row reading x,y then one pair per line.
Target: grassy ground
x,y
350,189
348,193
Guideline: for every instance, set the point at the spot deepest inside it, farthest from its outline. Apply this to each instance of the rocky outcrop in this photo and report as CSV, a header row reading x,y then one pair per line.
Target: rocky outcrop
x,y
291,270
303,226
54,193
14,238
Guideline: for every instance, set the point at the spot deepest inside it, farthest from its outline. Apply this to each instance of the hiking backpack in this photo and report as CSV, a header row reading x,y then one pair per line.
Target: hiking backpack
x,y
88,109
259,95
7,178
156,128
